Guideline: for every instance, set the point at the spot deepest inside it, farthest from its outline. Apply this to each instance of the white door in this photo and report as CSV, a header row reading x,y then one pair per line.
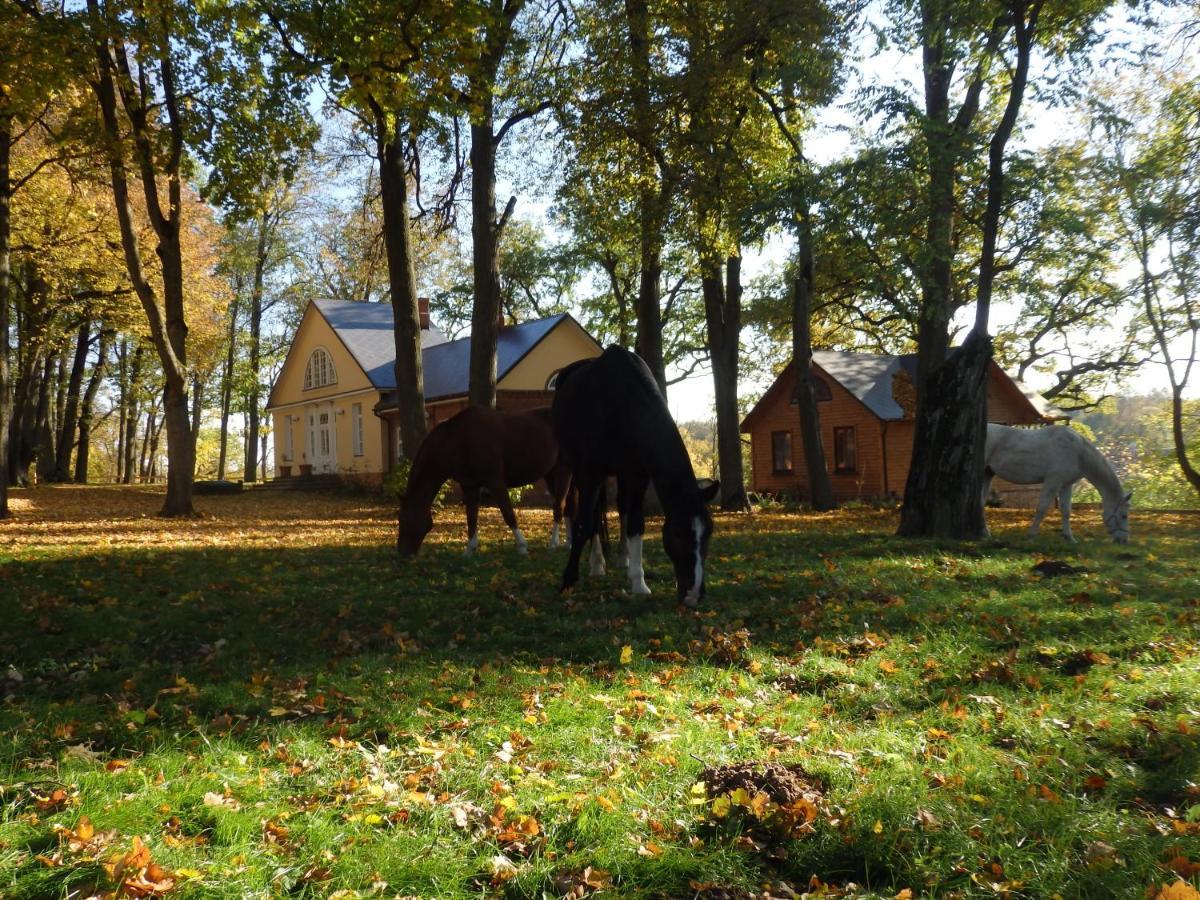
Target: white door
x,y
322,438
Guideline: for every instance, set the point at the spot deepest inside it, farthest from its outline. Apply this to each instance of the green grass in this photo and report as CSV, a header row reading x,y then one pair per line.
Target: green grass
x,y
276,706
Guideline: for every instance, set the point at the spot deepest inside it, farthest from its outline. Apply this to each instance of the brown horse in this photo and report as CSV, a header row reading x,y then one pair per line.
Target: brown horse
x,y
483,448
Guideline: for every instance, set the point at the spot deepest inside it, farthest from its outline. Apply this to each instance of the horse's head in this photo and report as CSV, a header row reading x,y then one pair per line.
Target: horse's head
x,y
415,523
1116,518
685,538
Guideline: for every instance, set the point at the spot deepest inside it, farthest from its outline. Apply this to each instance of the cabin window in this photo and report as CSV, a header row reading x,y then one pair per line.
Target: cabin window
x,y
319,371
781,452
845,450
356,427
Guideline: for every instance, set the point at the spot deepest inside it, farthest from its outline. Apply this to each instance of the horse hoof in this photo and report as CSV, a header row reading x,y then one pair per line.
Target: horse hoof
x,y
522,549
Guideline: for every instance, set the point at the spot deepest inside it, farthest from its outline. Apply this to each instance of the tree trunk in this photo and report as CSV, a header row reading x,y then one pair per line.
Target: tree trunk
x,y
227,386
819,484
42,439
5,282
263,457
397,236
168,325
133,412
197,413
88,405
723,313
943,496
250,463
485,257
652,199
70,414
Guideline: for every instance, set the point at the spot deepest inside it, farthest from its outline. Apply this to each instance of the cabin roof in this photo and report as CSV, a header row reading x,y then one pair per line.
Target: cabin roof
x,y
868,377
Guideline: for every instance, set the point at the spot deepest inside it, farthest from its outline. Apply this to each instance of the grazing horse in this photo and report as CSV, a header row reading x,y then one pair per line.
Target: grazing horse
x,y
611,418
1056,457
483,448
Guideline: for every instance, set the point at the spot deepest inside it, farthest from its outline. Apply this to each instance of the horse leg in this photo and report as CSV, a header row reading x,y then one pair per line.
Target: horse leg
x,y
500,492
1049,490
622,561
633,519
988,475
597,564
581,530
471,501
558,482
1064,503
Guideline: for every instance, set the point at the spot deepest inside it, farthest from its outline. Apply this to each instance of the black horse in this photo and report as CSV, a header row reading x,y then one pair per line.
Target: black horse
x,y
611,419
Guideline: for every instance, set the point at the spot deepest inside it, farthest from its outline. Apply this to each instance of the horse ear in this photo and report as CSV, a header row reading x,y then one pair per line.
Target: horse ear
x,y
708,492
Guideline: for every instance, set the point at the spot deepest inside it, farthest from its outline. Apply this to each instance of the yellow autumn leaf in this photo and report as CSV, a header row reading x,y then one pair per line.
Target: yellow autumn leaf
x,y
626,655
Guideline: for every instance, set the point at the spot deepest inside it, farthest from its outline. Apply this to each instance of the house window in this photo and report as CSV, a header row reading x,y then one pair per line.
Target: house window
x,y
552,381
845,452
781,452
289,447
319,371
356,424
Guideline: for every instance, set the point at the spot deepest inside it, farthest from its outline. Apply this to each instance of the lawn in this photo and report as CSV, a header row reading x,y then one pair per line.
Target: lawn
x,y
265,702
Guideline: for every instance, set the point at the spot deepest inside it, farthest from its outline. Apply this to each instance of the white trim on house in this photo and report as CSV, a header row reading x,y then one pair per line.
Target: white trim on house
x,y
309,400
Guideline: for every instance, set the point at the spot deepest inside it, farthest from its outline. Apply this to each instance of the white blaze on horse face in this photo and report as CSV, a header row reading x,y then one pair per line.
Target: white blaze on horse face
x,y
637,575
522,547
692,597
598,566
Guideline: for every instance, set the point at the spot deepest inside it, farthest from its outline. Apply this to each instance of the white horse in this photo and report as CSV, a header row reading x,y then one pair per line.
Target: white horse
x,y
1055,457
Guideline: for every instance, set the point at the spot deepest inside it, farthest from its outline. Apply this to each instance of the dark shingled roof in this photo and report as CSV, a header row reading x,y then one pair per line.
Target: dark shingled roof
x,y
366,330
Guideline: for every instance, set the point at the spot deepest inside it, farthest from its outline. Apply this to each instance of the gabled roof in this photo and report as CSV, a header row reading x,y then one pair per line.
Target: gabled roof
x,y
868,377
366,330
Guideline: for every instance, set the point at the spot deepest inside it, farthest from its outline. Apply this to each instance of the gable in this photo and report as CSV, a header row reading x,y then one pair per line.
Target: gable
x,y
314,332
565,343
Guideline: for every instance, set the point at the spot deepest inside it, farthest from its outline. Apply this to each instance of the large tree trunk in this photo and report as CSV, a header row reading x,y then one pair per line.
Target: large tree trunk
x,y
168,326
227,386
652,198
397,237
250,463
723,313
5,286
819,484
943,496
485,257
88,406
70,413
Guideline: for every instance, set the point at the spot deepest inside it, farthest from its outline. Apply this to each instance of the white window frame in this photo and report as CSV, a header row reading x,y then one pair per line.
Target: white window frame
x,y
319,372
356,428
289,446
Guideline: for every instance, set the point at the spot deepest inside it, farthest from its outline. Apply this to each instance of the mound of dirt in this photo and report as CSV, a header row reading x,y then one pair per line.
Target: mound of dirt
x,y
784,785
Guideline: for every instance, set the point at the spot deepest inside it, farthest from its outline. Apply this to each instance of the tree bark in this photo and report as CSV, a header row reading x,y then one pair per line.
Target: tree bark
x,y
723,313
133,413
397,237
88,405
5,286
70,413
485,257
41,439
652,198
819,484
168,325
262,246
227,386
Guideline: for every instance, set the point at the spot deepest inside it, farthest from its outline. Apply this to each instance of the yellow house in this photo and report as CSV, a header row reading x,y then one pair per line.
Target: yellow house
x,y
333,406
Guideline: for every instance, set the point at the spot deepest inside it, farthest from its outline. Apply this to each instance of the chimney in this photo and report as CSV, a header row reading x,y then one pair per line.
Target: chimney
x,y
423,311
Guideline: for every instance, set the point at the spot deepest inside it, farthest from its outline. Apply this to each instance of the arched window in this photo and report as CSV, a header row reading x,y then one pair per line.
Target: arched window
x,y
319,371
821,389
552,381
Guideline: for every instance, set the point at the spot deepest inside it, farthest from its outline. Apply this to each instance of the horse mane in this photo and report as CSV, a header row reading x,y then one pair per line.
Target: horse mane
x,y
1098,470
423,461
